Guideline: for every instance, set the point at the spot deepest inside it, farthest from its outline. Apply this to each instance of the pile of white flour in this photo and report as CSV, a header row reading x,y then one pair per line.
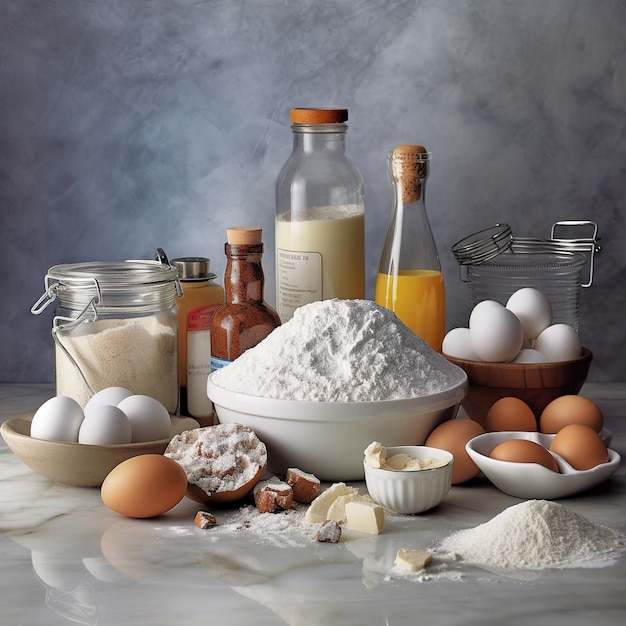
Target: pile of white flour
x,y
340,351
536,534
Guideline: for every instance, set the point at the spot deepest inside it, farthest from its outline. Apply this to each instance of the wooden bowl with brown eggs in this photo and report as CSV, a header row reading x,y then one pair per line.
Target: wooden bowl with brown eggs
x,y
537,384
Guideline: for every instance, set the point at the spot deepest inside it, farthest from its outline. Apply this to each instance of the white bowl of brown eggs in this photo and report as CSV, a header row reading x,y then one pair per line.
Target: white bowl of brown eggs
x,y
568,453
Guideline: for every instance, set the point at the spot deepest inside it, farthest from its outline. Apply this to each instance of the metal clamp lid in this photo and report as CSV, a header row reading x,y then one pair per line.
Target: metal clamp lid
x,y
483,245
85,283
488,243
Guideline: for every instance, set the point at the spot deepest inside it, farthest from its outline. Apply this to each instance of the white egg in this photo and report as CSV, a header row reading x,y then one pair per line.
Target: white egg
x,y
528,355
105,426
57,419
111,396
457,343
533,310
149,419
480,307
559,342
496,335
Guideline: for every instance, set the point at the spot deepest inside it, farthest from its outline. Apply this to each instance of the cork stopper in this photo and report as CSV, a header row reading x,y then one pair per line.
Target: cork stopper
x,y
409,168
318,116
247,235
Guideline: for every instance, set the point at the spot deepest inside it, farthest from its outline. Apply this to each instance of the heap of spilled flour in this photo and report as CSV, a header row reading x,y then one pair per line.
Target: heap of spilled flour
x,y
536,534
340,351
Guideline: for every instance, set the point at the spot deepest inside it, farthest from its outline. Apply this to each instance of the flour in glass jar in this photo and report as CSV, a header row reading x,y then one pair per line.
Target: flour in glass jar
x,y
340,351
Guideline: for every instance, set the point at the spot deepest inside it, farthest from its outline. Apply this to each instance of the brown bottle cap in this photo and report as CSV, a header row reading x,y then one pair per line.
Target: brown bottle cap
x,y
248,235
318,116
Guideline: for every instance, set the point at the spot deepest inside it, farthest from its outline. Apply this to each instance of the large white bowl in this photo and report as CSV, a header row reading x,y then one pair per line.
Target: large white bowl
x,y
531,480
328,438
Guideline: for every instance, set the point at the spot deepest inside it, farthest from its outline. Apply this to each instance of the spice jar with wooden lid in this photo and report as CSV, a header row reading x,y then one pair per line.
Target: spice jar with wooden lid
x,y
410,281
245,319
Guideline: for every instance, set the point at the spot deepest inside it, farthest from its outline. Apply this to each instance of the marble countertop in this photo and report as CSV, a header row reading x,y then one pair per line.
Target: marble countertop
x,y
66,558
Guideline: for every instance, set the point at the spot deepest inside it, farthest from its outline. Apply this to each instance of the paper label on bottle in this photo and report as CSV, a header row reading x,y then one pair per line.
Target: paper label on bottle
x,y
217,363
299,280
198,370
200,318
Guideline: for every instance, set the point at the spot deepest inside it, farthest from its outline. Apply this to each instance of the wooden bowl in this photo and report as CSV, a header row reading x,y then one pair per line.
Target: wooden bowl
x,y
537,384
78,464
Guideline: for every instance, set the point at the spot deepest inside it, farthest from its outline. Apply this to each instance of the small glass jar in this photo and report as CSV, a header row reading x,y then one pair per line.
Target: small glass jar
x,y
201,297
115,324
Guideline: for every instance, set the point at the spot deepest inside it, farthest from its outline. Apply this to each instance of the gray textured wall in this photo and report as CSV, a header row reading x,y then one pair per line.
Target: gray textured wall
x,y
130,125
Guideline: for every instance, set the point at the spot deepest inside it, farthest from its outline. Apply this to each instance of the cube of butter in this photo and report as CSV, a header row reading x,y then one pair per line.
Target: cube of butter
x,y
366,517
412,560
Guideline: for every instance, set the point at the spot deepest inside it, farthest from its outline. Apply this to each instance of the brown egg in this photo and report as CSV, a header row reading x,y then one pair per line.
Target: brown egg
x,y
510,414
570,409
452,437
524,451
144,486
580,446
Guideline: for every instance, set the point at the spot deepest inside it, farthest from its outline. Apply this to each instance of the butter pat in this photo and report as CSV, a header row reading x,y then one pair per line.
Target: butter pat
x,y
376,457
375,454
318,511
412,560
337,510
366,517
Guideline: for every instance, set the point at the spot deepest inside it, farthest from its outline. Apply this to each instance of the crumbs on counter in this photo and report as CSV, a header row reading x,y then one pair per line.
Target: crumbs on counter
x,y
204,520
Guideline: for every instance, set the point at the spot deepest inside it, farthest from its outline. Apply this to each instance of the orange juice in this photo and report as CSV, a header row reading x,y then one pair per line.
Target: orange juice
x,y
418,298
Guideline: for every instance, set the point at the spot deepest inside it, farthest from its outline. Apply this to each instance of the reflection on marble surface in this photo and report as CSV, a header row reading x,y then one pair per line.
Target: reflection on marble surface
x,y
68,559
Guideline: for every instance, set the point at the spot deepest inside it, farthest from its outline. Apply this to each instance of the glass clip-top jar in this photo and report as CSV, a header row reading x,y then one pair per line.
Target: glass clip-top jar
x,y
115,324
495,264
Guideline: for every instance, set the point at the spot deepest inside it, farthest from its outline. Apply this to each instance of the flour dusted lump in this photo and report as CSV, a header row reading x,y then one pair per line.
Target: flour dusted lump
x,y
340,351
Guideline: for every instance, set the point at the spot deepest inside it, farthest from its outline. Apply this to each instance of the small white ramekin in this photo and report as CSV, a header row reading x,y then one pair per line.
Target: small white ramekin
x,y
413,491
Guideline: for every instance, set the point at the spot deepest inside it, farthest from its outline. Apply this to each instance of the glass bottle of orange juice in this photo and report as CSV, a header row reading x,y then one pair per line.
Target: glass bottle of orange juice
x,y
409,280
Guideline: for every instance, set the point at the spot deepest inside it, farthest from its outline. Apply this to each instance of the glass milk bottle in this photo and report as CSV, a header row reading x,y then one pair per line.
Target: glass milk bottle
x,y
409,280
320,216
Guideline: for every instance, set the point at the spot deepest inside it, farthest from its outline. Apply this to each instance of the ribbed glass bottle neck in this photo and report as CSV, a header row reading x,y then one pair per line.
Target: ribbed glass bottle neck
x,y
318,137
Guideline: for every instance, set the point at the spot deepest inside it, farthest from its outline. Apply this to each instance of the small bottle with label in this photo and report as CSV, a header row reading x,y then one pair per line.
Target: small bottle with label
x,y
201,297
245,319
320,217
410,281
